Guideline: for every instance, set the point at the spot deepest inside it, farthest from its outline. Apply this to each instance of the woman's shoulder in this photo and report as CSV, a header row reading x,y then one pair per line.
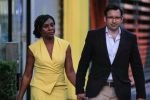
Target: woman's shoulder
x,y
62,41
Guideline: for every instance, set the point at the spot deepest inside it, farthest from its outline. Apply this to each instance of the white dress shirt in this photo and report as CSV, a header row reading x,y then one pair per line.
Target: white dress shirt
x,y
112,47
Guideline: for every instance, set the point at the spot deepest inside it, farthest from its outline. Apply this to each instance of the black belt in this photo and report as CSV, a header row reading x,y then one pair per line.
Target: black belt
x,y
110,84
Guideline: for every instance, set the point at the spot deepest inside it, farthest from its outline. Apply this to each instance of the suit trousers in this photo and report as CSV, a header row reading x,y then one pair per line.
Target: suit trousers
x,y
107,93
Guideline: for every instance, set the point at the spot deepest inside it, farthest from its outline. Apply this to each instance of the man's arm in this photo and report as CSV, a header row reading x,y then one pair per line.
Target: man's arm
x,y
83,65
137,70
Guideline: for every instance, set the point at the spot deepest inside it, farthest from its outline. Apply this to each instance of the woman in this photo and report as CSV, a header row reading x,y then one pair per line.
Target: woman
x,y
48,56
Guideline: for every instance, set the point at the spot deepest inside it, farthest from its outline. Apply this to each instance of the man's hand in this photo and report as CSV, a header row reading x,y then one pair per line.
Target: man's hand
x,y
81,96
140,99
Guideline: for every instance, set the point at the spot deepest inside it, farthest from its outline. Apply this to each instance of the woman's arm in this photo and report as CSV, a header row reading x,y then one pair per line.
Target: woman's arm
x,y
69,67
27,74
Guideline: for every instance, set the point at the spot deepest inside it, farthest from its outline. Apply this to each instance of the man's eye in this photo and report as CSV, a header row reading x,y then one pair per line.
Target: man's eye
x,y
111,18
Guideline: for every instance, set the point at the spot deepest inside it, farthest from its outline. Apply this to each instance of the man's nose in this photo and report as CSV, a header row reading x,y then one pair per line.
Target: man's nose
x,y
114,19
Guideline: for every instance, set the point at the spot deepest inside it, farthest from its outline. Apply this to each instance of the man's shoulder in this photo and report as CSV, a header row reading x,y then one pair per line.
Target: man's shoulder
x,y
97,30
128,33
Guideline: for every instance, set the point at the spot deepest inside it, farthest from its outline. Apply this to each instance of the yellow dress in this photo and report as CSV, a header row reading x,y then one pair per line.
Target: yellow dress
x,y
48,81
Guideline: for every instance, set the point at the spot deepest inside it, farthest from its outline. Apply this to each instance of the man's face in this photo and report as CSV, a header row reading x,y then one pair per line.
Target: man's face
x,y
113,19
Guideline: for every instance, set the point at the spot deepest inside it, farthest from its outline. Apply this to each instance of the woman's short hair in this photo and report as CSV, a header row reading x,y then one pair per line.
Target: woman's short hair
x,y
38,24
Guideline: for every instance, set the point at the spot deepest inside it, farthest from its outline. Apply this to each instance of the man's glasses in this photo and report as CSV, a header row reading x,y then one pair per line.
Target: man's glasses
x,y
113,18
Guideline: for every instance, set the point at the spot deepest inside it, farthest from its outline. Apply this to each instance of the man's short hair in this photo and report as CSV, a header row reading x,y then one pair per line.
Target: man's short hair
x,y
113,7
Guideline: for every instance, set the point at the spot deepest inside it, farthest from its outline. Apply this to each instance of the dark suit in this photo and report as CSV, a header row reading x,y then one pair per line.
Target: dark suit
x,y
95,51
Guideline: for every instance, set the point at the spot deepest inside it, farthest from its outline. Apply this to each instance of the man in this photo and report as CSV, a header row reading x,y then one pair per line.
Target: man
x,y
110,50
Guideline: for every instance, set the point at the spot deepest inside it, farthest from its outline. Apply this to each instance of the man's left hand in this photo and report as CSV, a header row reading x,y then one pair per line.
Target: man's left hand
x,y
140,99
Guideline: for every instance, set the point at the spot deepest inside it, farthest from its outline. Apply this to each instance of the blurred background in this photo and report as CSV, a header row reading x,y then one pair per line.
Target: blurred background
x,y
73,19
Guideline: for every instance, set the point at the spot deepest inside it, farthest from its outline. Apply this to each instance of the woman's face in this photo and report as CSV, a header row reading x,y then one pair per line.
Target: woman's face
x,y
48,29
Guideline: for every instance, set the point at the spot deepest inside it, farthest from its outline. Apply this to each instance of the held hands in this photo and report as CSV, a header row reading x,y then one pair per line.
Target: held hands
x,y
140,99
81,96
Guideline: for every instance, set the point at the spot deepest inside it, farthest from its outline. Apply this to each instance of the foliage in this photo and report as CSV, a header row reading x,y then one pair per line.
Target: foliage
x,y
8,81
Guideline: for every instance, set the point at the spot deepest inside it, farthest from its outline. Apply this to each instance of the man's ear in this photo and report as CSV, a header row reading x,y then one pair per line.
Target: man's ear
x,y
104,19
122,18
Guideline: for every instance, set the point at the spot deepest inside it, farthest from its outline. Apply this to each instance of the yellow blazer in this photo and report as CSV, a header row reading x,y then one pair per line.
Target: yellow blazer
x,y
49,72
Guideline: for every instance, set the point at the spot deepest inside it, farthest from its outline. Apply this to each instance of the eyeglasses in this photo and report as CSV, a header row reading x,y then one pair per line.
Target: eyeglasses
x,y
112,18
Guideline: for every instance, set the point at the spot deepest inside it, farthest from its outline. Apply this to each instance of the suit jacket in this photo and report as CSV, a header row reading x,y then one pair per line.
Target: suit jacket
x,y
95,52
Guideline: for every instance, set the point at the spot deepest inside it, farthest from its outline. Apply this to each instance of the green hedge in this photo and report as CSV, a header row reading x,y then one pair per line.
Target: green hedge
x,y
8,80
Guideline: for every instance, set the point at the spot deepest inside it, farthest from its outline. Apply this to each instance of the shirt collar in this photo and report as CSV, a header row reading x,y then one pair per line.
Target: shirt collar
x,y
109,35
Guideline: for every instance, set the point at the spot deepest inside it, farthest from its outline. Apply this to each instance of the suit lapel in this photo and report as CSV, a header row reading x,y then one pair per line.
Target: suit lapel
x,y
104,44
120,47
